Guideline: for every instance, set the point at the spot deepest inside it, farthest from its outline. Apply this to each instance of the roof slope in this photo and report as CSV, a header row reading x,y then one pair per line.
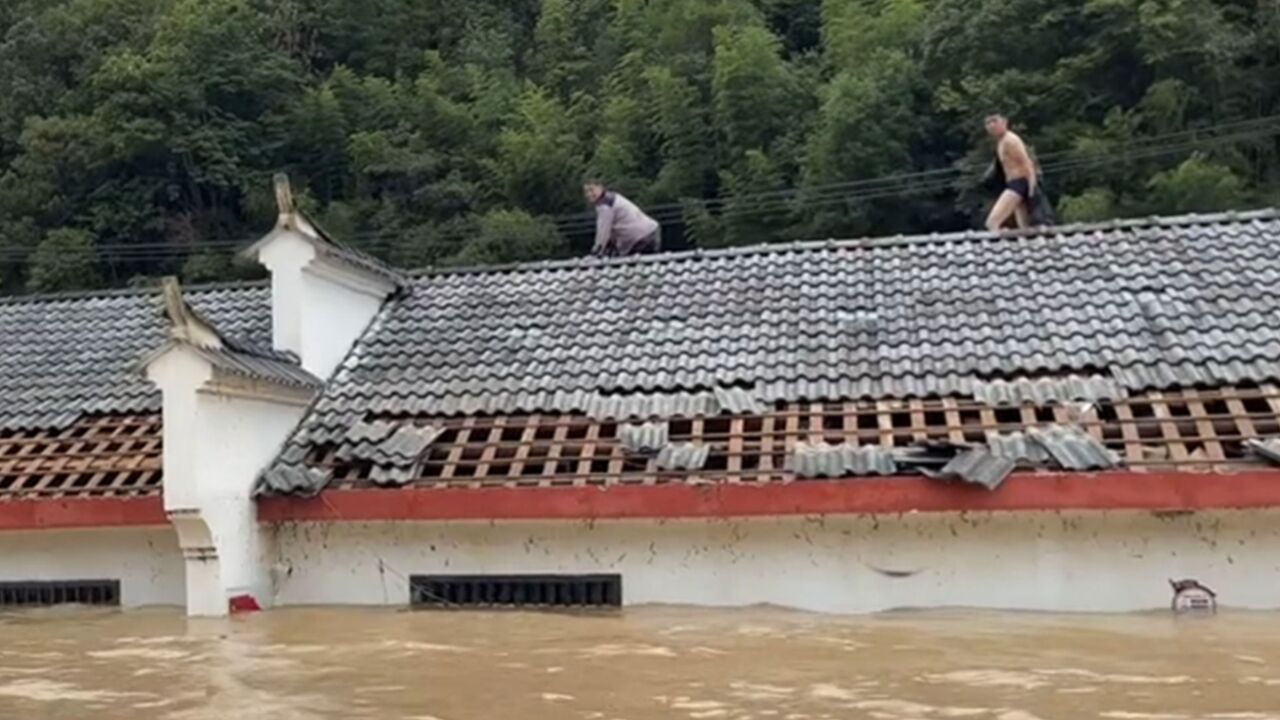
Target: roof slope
x,y
1194,299
65,356
1126,306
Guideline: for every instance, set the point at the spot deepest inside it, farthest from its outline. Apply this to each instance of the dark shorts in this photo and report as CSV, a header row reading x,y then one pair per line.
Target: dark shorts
x,y
1020,186
649,244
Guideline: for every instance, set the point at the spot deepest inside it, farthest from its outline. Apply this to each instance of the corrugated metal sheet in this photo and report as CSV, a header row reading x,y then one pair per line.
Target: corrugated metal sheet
x,y
810,460
1018,447
1074,449
683,456
980,467
738,401
370,432
400,449
1043,391
645,438
1268,449
284,479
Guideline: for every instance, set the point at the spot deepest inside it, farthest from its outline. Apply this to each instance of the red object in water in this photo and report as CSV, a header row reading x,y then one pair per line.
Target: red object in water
x,y
243,604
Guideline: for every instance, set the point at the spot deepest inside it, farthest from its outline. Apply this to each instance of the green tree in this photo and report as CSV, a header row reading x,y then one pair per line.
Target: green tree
x,y
64,260
538,164
506,236
1196,185
411,126
751,88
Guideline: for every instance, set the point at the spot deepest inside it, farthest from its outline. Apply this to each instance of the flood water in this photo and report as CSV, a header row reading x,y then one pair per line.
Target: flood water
x,y
640,664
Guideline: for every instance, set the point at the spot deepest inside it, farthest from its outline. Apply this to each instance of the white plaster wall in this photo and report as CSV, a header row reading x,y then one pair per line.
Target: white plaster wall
x,y
147,562
1033,561
177,373
334,315
285,254
238,437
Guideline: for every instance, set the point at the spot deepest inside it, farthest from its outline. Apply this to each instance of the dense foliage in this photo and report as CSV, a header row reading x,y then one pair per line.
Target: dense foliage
x,y
138,137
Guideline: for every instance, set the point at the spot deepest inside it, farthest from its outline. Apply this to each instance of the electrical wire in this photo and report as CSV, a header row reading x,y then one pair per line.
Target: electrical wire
x,y
756,204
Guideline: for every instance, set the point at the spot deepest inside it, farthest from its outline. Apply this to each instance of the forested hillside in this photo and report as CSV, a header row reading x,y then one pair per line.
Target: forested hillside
x,y
138,137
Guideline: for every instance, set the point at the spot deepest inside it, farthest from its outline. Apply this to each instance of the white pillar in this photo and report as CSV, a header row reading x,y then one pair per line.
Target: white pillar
x,y
220,431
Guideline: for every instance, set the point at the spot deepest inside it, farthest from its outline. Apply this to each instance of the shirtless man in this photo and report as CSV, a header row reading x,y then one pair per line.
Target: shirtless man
x,y
1019,175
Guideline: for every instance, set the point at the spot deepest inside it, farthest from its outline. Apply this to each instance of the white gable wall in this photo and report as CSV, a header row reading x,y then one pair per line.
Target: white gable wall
x,y
319,305
219,433
285,253
239,435
178,374
337,308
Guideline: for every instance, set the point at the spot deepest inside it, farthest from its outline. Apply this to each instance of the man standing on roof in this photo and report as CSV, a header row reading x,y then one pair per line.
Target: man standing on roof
x,y
621,227
1020,176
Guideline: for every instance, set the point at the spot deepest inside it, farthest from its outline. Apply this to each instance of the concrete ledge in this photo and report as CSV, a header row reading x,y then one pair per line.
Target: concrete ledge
x,y
1171,491
65,513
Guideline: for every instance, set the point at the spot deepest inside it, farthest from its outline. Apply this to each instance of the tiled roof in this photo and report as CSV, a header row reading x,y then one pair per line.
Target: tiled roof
x,y
1100,310
67,356
1152,431
116,455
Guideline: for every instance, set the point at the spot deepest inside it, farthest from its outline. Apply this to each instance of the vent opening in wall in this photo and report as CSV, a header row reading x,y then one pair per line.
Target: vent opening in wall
x,y
41,593
515,591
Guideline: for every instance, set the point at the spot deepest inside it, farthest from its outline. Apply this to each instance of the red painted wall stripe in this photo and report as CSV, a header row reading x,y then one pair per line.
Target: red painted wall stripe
x,y
45,514
1103,491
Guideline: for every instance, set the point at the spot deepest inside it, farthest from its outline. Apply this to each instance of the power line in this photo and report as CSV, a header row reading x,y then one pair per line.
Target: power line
x,y
569,223
793,199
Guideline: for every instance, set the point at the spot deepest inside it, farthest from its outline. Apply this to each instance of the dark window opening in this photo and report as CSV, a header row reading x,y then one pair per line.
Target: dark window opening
x,y
59,592
515,591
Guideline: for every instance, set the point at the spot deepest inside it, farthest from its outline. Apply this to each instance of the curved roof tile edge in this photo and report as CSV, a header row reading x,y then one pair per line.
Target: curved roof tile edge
x,y
1234,216
128,292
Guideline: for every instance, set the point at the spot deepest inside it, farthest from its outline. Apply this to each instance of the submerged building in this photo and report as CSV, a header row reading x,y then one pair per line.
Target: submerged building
x,y
1067,419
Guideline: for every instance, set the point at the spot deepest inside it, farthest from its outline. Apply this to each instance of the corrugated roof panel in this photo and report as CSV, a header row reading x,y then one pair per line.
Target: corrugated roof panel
x,y
1267,449
683,456
645,438
282,479
812,460
1018,447
980,467
1043,391
1074,449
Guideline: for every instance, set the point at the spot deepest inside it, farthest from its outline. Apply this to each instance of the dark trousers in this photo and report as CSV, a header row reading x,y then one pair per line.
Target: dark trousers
x,y
649,244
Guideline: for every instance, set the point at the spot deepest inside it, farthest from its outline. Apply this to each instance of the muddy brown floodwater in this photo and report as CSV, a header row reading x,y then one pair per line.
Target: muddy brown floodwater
x,y
639,664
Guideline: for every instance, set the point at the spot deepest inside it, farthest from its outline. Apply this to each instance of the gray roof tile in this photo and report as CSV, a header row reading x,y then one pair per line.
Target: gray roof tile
x,y
1102,309
1074,449
683,456
951,315
644,438
979,466
810,460
67,355
1268,449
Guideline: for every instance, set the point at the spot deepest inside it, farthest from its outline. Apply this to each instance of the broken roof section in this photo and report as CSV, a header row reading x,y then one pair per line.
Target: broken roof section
x,y
1088,314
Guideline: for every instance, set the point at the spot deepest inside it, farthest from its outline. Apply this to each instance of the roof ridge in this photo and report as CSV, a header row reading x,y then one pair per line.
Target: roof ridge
x,y
125,292
863,242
